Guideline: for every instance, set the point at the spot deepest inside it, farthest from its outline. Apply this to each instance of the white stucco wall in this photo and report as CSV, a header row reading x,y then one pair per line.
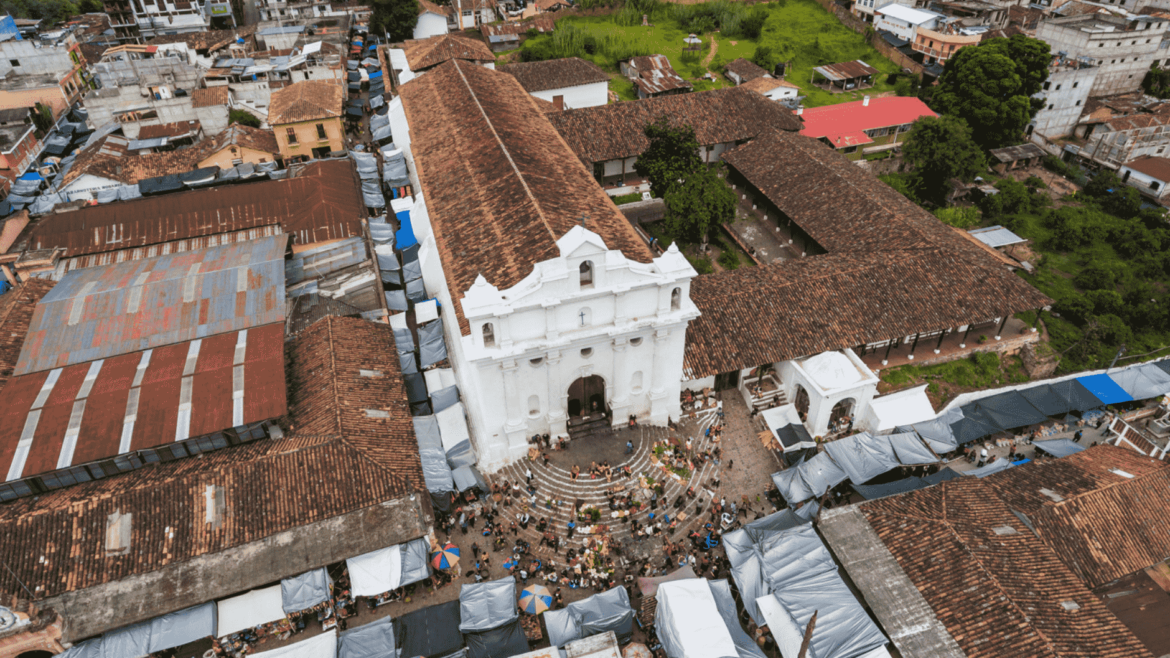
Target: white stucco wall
x,y
795,374
1145,183
1064,102
86,187
590,95
430,25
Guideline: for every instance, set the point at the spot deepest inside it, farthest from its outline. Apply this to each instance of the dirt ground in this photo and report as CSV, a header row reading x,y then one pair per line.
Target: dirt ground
x,y
1058,186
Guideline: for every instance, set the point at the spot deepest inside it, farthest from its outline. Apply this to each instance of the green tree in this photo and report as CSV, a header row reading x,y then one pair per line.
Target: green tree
x,y
673,154
766,58
698,205
394,17
941,148
990,86
244,118
907,85
42,117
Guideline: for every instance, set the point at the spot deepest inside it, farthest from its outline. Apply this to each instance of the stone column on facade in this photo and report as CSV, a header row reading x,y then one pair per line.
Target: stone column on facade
x,y
516,427
558,396
659,405
621,381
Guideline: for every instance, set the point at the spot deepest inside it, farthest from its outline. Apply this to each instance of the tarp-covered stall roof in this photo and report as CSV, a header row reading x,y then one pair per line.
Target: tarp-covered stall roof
x,y
501,642
1142,383
318,646
1059,447
436,472
689,624
607,611
1007,411
487,605
725,603
415,561
179,628
305,591
901,408
1000,464
862,456
372,640
909,450
1046,400
785,424
1103,388
432,632
249,610
376,572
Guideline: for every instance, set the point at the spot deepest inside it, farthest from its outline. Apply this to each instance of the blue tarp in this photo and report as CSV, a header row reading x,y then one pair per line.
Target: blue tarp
x,y
32,175
1105,389
375,74
405,236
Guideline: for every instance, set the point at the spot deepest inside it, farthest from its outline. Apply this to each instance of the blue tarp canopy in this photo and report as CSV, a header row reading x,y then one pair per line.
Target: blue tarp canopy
x,y
32,175
968,430
871,491
1076,395
1105,389
405,236
375,74
1008,411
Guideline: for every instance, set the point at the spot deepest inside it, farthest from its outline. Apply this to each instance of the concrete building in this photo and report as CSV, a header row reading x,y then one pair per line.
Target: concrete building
x,y
567,83
134,107
306,118
775,90
470,14
904,22
866,126
864,9
940,44
1149,175
1122,47
29,64
1069,85
286,10
19,145
433,20
1118,141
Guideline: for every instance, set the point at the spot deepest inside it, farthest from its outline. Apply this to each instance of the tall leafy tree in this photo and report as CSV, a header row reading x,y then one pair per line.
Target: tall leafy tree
x,y
941,148
990,86
673,155
698,205
396,17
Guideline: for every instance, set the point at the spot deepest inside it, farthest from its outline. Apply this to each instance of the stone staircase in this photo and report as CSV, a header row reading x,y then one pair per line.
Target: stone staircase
x,y
766,398
586,427
557,493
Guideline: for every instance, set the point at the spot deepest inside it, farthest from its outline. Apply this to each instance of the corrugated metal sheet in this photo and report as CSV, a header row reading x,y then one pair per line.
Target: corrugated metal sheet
x,y
320,261
322,202
846,70
996,236
66,265
130,402
101,312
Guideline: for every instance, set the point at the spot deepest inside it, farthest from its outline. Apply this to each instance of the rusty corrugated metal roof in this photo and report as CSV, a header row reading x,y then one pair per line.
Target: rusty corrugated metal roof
x,y
846,70
101,312
87,412
323,202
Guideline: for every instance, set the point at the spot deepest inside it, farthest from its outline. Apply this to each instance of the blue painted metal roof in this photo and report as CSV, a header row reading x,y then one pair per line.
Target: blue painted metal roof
x,y
100,312
1105,389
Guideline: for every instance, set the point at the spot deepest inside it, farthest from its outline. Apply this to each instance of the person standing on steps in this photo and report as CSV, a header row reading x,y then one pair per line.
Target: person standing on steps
x,y
572,527
629,447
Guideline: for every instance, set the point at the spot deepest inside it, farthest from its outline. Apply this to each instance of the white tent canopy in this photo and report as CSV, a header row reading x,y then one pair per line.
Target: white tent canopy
x,y
318,646
453,426
901,408
376,572
689,624
259,606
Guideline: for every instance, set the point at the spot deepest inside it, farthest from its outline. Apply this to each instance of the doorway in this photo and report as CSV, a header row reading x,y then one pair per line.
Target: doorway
x,y
586,396
726,380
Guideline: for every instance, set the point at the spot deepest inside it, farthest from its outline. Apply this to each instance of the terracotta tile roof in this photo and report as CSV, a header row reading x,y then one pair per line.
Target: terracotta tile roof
x,y
320,202
615,131
236,134
1158,168
424,6
997,593
210,96
55,543
422,54
745,69
176,129
205,42
1135,121
16,312
556,74
892,269
1107,525
501,185
306,101
10,229
339,371
110,158
762,85
518,28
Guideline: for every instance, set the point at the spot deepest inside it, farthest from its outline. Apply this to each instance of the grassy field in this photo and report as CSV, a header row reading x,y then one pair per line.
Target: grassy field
x,y
799,31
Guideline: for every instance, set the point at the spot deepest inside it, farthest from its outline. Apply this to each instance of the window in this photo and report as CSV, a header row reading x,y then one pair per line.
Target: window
x,y
1078,103
676,299
636,382
1101,45
533,406
1051,105
1075,85
489,335
586,274
536,362
292,136
849,149
14,62
587,352
321,131
1058,87
636,341
1154,185
1047,85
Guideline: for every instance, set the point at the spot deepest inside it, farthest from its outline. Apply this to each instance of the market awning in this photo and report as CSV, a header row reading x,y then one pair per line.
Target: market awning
x,y
376,572
901,408
432,632
259,606
688,622
1000,464
1059,447
1008,411
1105,389
1142,382
304,591
487,605
318,646
785,424
372,640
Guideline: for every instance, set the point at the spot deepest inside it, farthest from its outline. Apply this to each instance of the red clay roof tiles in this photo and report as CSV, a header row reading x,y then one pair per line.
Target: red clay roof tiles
x,y
16,313
555,74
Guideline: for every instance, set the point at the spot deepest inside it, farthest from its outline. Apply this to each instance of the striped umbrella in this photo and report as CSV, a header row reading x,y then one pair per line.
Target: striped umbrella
x,y
446,557
535,599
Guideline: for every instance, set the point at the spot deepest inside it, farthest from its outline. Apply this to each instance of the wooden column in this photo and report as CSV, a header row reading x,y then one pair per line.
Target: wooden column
x,y
999,332
938,345
964,343
914,346
889,347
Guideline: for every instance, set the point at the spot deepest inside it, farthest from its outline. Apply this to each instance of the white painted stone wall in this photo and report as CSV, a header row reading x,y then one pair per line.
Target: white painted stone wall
x,y
590,95
430,25
1144,183
1064,102
860,385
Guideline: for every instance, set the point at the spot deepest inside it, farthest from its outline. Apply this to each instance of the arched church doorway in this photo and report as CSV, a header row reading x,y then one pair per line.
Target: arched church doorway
x,y
587,396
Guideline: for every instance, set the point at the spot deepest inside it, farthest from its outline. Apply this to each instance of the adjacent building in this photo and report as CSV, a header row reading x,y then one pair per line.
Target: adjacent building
x,y
609,139
866,126
653,76
774,89
742,70
1121,46
433,20
306,118
940,43
905,22
568,83
415,57
1149,175
1064,97
19,146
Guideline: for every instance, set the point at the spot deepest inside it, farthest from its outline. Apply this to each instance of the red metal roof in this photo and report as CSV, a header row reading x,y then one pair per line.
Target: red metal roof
x,y
835,121
91,411
101,312
322,202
